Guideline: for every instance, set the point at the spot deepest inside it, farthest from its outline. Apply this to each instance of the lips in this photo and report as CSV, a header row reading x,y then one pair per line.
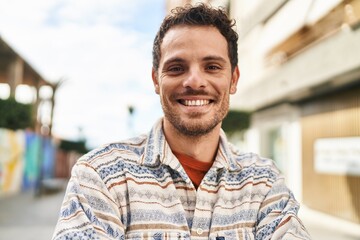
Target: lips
x,y
194,98
197,102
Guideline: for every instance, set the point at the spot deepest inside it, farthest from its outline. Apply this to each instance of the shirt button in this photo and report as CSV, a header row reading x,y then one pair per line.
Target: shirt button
x,y
199,231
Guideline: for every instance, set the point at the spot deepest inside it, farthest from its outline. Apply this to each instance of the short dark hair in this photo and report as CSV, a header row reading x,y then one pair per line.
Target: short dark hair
x,y
199,15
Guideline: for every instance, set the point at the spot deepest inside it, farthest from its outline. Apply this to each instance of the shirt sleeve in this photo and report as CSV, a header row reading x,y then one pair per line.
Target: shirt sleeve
x,y
277,218
88,211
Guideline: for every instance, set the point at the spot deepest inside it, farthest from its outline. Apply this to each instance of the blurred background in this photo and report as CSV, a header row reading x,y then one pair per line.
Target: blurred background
x,y
75,75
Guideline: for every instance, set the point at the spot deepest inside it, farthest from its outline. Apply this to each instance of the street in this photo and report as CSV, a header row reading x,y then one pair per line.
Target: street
x,y
28,217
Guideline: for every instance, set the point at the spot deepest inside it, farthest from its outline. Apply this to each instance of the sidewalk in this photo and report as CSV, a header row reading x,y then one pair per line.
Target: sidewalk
x,y
26,217
322,226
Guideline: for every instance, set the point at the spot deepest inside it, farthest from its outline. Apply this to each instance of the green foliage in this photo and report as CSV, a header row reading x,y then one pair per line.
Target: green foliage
x,y
77,146
15,115
236,121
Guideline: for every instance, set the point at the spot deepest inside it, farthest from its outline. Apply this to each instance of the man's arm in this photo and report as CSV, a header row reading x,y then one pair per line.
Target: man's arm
x,y
88,211
277,218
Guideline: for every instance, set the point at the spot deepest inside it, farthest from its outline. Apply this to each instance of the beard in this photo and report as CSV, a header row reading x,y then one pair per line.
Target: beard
x,y
194,125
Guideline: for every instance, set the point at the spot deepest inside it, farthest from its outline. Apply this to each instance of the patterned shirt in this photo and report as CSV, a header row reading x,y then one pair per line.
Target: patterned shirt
x,y
137,189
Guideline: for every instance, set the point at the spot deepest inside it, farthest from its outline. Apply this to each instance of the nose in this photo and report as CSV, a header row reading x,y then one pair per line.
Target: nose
x,y
195,79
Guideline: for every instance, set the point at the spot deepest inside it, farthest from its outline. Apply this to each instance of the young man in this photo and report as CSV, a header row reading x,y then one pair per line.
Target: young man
x,y
183,180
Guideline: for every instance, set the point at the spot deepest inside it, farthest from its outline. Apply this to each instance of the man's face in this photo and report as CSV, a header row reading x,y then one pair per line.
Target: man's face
x,y
194,79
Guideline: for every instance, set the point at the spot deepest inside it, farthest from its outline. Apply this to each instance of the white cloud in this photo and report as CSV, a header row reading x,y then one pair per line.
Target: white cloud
x,y
106,63
96,11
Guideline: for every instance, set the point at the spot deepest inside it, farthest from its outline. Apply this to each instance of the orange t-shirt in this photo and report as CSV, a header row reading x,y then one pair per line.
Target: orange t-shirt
x,y
194,168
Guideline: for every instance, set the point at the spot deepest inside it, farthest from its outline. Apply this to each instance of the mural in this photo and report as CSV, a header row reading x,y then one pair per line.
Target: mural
x,y
12,146
25,158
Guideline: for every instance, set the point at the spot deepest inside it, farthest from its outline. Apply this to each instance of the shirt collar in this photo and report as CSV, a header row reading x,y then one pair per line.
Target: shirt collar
x,y
227,154
158,151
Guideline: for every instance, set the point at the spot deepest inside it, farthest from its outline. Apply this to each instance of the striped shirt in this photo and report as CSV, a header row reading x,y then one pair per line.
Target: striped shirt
x,y
137,189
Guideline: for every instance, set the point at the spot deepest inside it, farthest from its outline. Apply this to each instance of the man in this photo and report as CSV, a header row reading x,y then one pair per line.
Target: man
x,y
183,180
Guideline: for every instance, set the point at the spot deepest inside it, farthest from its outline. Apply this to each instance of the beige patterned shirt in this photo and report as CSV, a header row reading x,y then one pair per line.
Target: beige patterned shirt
x,y
137,189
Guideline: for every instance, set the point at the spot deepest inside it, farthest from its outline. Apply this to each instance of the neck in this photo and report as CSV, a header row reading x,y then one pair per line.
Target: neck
x,y
202,148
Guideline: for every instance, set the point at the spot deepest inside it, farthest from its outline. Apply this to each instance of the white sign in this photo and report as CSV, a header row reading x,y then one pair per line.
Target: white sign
x,y
337,156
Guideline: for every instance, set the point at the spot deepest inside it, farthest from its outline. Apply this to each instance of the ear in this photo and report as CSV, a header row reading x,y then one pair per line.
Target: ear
x,y
155,80
234,80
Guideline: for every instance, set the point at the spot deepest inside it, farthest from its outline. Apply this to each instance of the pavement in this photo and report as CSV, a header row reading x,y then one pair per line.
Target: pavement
x,y
27,216
322,226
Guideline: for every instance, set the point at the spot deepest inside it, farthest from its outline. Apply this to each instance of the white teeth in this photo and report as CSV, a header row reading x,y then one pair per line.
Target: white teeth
x,y
196,102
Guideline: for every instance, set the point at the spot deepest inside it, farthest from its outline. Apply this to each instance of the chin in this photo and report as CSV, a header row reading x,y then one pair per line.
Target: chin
x,y
195,127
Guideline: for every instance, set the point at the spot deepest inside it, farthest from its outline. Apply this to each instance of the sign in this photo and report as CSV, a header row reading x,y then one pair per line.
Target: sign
x,y
337,156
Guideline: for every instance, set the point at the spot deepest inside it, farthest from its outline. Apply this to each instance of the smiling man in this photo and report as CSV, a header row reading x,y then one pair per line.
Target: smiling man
x,y
194,79
183,180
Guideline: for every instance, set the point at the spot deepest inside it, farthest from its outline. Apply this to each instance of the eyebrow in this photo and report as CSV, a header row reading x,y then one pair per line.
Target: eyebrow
x,y
207,58
214,57
174,60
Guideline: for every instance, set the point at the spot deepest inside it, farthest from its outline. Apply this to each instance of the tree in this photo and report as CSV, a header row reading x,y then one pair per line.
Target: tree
x,y
15,115
236,121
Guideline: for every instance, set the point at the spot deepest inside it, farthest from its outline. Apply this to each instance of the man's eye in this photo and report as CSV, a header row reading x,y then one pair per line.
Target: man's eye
x,y
213,67
175,69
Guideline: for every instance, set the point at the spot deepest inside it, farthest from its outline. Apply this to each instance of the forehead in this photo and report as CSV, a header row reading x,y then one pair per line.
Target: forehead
x,y
193,41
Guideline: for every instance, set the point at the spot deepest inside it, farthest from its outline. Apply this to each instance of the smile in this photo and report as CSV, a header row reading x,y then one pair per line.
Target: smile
x,y
199,102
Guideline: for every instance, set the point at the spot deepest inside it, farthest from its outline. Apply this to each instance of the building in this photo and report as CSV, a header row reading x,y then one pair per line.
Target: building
x,y
300,76
16,72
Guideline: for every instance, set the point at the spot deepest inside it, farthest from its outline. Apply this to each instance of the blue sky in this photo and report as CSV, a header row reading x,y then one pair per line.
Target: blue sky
x,y
103,51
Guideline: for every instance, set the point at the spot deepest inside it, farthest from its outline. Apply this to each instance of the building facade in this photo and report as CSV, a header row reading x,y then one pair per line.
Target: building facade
x,y
300,76
16,74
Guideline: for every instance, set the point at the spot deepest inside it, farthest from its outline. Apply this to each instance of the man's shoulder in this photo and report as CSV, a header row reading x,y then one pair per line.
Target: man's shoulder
x,y
252,160
130,149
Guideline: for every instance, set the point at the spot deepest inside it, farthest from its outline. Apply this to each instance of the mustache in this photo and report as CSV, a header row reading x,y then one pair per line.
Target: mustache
x,y
191,92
